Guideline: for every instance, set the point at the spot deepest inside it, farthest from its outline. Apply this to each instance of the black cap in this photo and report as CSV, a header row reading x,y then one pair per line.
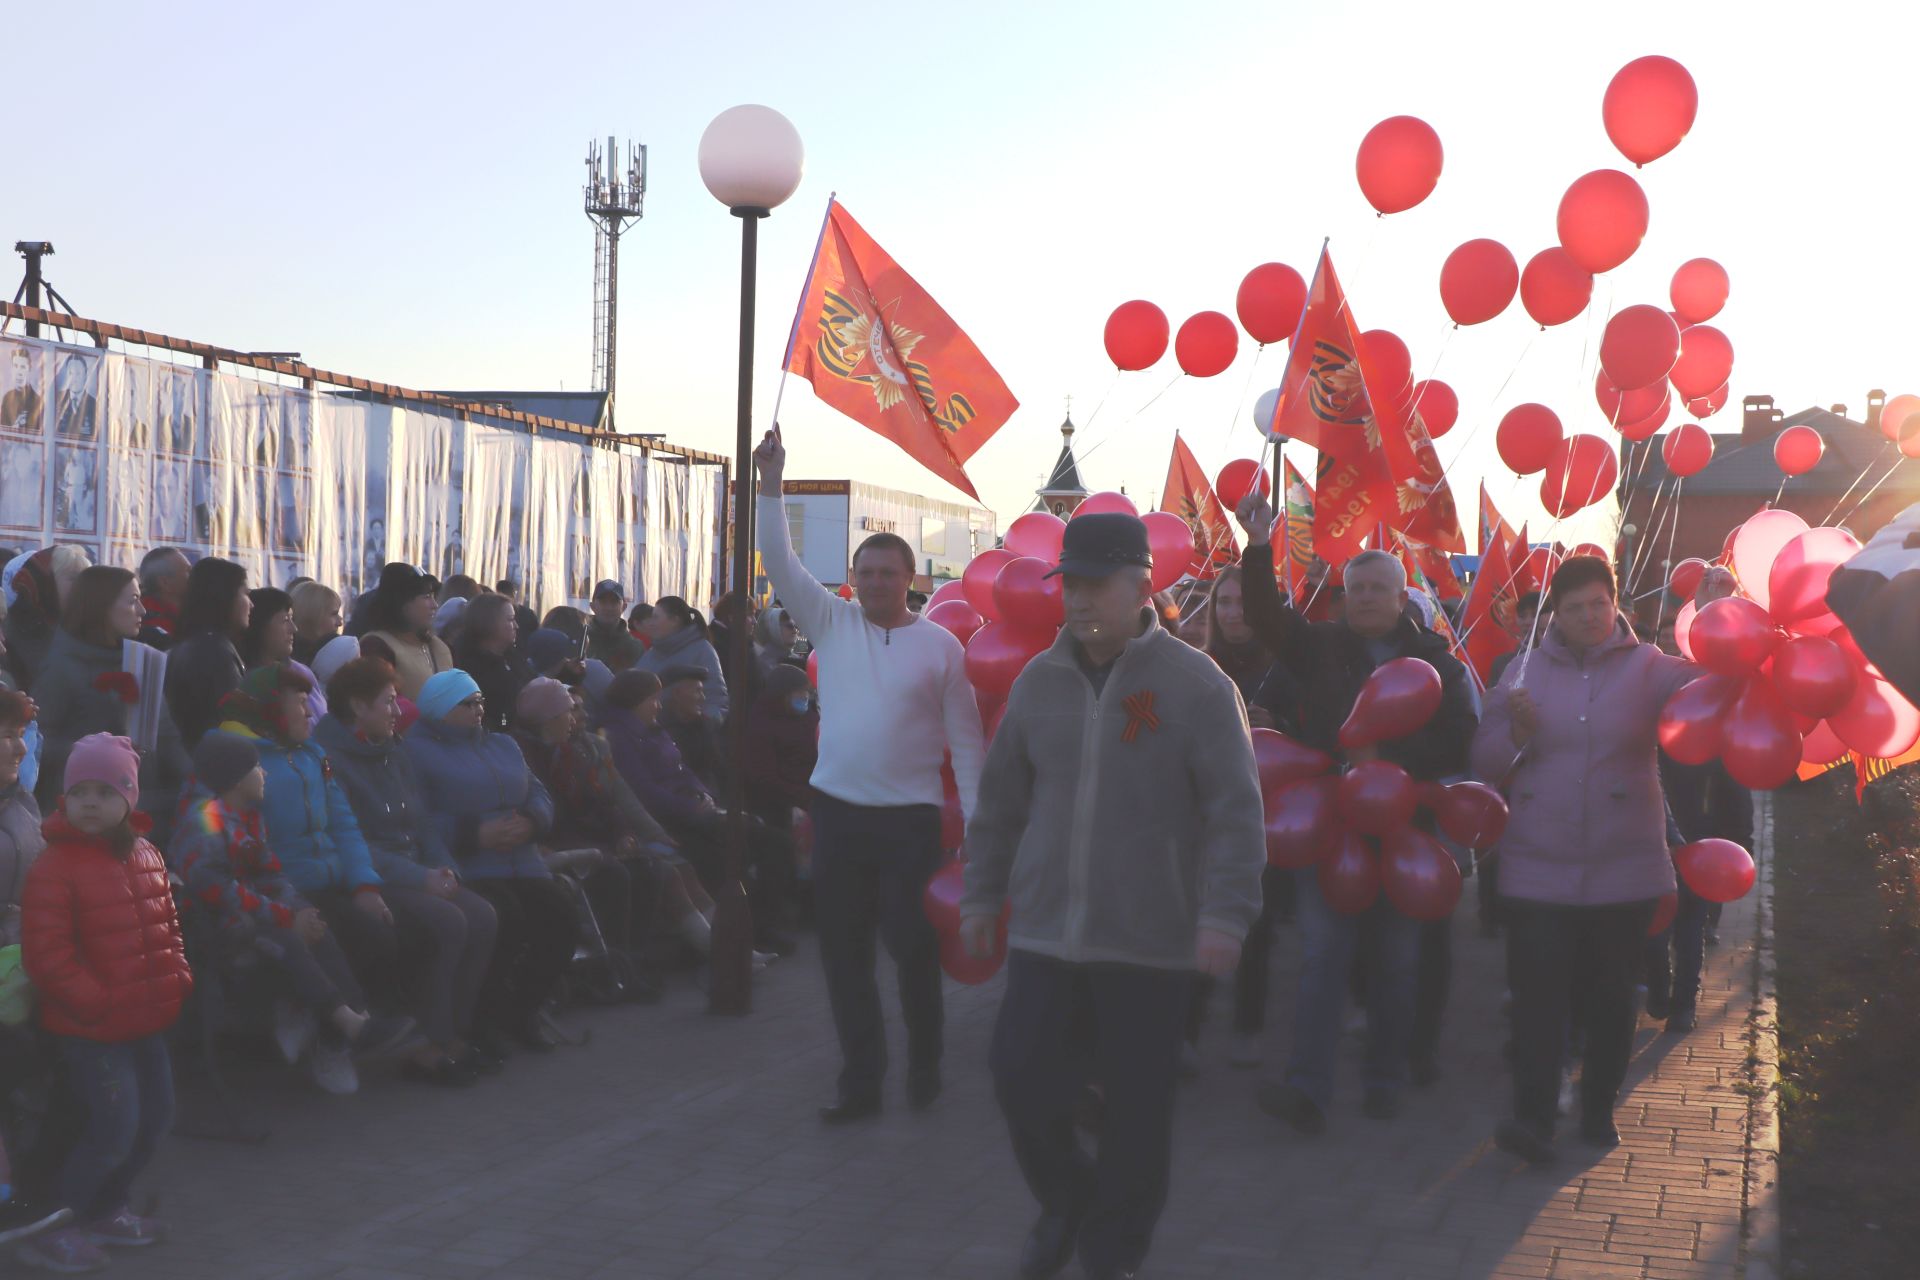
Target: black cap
x,y
609,587
1100,542
674,675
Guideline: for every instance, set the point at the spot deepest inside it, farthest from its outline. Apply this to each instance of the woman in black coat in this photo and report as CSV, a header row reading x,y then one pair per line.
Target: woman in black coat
x,y
489,652
204,664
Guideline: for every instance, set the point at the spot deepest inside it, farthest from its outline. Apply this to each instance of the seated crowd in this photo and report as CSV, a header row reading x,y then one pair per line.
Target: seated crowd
x,y
409,826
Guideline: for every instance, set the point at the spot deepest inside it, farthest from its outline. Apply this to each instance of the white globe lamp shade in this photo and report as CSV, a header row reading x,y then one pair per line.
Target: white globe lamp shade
x,y
751,157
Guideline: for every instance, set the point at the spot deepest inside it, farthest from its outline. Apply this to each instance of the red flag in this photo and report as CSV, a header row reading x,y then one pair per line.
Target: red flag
x,y
1349,504
876,347
1297,510
1431,568
1323,394
1492,522
1487,617
1190,496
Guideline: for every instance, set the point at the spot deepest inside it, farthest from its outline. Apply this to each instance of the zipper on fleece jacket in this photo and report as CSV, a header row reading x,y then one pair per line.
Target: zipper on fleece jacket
x,y
1079,850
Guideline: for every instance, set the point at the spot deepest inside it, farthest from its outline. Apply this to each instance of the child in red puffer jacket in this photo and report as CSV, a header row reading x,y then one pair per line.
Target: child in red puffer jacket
x,y
101,943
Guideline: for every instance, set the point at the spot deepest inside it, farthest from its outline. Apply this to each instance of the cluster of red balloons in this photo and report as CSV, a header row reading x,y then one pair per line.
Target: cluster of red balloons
x,y
1784,682
1269,303
1900,423
1354,829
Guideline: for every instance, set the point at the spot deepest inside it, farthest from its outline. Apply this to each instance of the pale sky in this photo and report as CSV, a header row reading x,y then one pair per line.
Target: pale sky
x,y
394,191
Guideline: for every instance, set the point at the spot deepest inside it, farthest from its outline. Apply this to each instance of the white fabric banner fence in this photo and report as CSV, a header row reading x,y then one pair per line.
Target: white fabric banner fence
x,y
118,453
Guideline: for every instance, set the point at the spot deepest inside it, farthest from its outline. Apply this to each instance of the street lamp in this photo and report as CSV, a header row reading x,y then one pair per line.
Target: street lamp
x,y
751,159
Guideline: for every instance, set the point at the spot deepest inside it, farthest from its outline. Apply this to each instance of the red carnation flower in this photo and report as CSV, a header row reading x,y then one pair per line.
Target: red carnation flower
x,y
120,682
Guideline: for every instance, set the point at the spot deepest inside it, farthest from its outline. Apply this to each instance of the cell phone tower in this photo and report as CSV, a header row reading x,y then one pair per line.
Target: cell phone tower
x,y
613,203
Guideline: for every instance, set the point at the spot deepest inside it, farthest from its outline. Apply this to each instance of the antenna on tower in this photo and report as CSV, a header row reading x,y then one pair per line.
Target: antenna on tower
x,y
613,202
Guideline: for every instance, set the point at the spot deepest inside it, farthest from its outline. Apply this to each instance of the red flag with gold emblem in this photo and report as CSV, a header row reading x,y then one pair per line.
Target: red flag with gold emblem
x,y
879,349
1323,394
1350,505
1189,495
1487,616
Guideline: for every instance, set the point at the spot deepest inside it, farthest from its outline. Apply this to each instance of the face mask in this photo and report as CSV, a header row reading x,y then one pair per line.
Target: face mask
x,y
801,704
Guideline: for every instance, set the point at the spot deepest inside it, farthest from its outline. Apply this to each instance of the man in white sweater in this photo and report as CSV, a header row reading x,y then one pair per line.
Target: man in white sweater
x,y
894,701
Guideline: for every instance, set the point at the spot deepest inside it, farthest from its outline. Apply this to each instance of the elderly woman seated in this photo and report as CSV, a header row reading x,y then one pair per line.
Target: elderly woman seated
x,y
646,756
594,806
489,810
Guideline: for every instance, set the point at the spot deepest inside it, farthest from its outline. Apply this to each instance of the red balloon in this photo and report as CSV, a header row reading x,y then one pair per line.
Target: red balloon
x,y
1733,636
1683,630
1026,597
813,667
1239,478
1376,797
1399,163
1397,699
1639,347
1699,290
1644,430
1536,570
1101,503
1798,450
953,589
1527,437
1037,534
1580,473
1270,301
1755,545
1664,910
1705,363
1421,879
1895,414
1759,742
1303,823
1685,578
1711,403
1350,879
1206,344
1437,405
976,580
956,616
1813,676
942,905
1602,219
953,818
1554,288
1637,405
1282,760
1387,366
999,652
1797,581
1821,745
1478,281
1877,721
1717,870
845,591
1136,335
1687,449
1690,722
1649,106
1471,813
1593,549
1171,541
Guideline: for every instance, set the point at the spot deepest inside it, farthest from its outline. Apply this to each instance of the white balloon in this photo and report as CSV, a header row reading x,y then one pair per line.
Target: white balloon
x,y
1263,412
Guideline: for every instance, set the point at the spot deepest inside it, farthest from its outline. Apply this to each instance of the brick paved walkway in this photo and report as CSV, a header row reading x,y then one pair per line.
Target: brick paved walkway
x,y
682,1145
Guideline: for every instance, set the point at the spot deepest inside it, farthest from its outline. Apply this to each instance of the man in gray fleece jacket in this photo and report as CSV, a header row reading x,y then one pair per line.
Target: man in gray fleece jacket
x,y
1120,814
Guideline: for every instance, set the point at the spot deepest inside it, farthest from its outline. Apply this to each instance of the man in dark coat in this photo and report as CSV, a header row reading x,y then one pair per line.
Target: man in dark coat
x,y
1406,972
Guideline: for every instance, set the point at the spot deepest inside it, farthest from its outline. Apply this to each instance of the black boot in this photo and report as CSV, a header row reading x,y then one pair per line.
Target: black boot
x,y
1049,1246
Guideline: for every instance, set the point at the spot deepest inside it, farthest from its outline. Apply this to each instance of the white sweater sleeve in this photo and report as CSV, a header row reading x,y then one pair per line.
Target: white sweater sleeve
x,y
812,605
965,738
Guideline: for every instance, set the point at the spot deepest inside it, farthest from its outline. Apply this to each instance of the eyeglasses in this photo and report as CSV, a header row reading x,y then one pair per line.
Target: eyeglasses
x,y
476,702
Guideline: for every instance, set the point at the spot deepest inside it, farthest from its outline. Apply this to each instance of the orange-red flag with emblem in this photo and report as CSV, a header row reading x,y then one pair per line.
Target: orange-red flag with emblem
x,y
1189,495
1323,394
1487,615
879,349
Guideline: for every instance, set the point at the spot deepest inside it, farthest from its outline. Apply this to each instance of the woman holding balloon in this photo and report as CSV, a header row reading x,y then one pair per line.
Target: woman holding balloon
x,y
1570,734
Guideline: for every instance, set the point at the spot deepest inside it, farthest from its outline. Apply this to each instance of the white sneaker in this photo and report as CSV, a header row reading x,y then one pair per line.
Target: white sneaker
x,y
1569,1095
293,1030
1246,1051
332,1069
761,959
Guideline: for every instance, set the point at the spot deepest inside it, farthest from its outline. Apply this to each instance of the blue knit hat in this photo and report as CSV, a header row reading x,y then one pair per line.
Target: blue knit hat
x,y
443,692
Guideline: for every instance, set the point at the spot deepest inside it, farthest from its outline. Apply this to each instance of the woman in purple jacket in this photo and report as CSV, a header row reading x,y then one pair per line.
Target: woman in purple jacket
x,y
1570,734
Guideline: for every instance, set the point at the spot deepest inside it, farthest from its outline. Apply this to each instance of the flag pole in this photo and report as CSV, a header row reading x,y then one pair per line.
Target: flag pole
x,y
806,287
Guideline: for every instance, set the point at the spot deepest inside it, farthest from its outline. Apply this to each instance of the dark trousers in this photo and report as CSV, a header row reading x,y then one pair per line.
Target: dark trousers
x,y
537,926
1562,958
1060,1023
1675,958
318,972
1431,988
126,1090
1254,976
770,869
446,981
372,946
870,872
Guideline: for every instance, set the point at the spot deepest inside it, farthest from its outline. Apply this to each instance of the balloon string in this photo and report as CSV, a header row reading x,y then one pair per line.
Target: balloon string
x,y
1240,403
1100,404
1874,462
1533,631
1780,492
1656,515
1135,417
1673,538
1473,431
1862,500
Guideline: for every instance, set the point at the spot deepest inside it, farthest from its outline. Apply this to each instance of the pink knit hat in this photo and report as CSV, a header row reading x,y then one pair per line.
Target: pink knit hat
x,y
105,757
